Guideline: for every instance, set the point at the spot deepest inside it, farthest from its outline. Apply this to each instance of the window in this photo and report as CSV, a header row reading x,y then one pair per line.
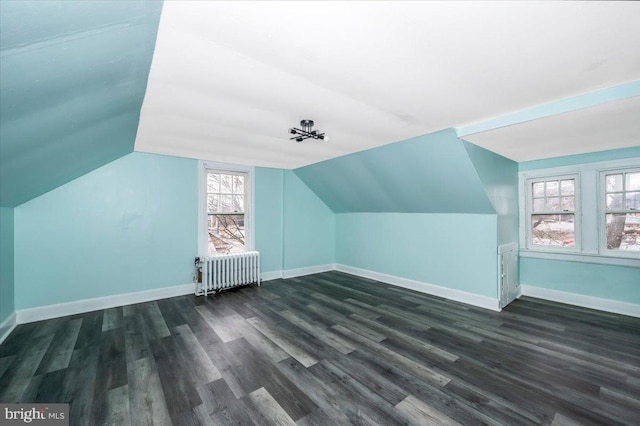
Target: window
x,y
621,231
587,212
551,212
225,209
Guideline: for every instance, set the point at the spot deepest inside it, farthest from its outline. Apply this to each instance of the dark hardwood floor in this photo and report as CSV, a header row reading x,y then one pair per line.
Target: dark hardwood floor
x,y
329,349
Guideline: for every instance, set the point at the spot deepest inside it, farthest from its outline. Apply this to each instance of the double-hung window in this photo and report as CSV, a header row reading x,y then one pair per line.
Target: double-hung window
x,y
620,233
582,213
553,220
225,209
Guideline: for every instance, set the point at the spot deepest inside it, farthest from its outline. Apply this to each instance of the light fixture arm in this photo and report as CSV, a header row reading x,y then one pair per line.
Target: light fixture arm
x,y
306,132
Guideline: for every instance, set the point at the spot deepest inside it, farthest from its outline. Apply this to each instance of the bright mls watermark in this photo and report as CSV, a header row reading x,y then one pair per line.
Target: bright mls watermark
x,y
35,414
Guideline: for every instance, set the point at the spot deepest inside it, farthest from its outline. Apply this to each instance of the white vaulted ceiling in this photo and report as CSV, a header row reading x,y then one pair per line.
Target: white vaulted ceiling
x,y
229,78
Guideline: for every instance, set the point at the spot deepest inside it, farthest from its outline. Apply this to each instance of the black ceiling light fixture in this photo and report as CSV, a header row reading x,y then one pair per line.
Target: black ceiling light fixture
x,y
306,132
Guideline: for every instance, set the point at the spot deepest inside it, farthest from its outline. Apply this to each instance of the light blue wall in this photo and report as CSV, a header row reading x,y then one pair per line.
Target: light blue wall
x,y
128,226
427,174
604,281
294,228
269,215
589,279
74,74
499,177
449,250
6,263
570,160
309,226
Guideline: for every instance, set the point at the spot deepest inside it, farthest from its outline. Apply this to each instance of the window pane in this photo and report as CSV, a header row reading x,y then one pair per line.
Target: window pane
x,y
567,187
553,230
225,184
213,182
568,204
614,201
225,204
633,200
623,231
212,202
226,233
238,203
238,184
538,204
538,189
633,182
552,205
613,183
552,188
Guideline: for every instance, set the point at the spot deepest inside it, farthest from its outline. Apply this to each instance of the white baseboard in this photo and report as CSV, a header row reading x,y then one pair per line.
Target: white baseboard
x,y
435,290
7,326
292,273
87,305
268,276
607,305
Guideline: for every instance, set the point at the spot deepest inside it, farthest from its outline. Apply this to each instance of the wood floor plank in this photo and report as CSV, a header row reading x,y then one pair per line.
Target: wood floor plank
x,y
420,413
112,319
220,406
146,397
329,349
416,368
60,350
289,347
264,410
18,376
195,358
118,409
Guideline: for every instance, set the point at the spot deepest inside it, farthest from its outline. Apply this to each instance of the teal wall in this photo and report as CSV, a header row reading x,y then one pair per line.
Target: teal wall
x,y
571,160
431,208
309,226
590,279
294,228
7,306
74,74
131,225
269,195
499,177
605,281
449,250
128,226
427,174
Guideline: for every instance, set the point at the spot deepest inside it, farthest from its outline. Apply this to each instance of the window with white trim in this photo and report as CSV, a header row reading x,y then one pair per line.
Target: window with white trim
x,y
620,217
598,223
226,203
552,213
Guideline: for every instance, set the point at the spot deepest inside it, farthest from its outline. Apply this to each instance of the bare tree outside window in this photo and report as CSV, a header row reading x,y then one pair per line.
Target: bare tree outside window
x,y
622,217
553,213
226,202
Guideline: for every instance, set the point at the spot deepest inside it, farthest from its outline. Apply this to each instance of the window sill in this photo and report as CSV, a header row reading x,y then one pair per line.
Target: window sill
x,y
581,257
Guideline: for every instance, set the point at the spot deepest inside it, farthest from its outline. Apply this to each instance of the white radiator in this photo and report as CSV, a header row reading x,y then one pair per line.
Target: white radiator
x,y
229,270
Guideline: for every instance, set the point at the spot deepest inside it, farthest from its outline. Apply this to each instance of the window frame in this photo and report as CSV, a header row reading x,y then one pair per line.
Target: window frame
x,y
590,213
577,228
205,167
602,213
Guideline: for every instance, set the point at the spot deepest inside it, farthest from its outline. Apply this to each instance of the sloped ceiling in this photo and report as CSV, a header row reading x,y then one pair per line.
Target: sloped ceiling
x,y
427,174
73,77
229,78
610,125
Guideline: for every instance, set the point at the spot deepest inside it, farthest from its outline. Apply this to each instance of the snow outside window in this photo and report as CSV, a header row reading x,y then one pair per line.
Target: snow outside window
x,y
552,213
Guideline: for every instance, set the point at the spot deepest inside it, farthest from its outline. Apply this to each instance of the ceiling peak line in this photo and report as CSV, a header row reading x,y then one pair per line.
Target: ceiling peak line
x,y
598,97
